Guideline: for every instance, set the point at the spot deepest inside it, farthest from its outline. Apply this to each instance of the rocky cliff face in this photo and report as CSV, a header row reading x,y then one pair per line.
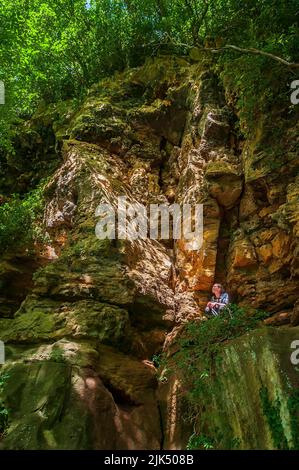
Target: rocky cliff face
x,y
81,333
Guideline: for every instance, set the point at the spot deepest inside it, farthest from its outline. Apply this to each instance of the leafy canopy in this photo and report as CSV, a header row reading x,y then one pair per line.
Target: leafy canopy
x,y
55,49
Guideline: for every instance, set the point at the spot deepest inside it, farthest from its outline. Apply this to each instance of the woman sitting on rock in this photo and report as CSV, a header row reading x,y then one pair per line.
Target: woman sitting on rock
x,y
218,301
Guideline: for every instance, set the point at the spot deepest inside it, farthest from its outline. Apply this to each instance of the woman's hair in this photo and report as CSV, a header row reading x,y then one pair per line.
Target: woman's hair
x,y
219,285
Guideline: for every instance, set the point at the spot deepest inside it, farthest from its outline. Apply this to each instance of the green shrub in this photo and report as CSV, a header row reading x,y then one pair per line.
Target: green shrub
x,y
57,355
293,407
195,362
3,408
199,442
203,342
20,219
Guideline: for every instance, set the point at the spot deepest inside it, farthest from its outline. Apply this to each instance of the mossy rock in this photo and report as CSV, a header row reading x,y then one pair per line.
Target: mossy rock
x,y
235,412
40,320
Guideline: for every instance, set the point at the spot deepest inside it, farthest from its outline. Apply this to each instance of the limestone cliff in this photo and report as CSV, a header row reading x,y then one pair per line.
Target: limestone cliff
x,y
82,318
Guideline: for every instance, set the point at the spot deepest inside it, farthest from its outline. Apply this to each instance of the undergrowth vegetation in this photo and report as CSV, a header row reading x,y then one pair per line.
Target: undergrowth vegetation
x,y
21,219
3,409
199,351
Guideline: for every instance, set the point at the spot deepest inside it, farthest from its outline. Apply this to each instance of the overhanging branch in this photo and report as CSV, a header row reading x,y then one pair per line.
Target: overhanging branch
x,y
237,49
253,51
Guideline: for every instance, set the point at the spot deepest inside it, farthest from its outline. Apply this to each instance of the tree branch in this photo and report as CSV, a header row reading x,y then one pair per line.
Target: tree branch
x,y
198,19
253,51
239,49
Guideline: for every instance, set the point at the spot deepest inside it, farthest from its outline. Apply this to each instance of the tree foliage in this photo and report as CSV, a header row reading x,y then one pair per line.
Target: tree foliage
x,y
21,220
55,49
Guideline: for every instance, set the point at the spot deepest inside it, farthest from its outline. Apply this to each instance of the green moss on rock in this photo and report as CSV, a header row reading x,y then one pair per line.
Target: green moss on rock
x,y
251,386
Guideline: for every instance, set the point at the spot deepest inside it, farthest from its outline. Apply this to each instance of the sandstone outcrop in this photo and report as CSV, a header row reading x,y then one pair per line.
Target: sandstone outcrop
x,y
82,324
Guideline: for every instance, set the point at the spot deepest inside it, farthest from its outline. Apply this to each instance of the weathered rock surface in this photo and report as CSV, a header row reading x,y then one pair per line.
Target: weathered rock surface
x,y
254,395
68,395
